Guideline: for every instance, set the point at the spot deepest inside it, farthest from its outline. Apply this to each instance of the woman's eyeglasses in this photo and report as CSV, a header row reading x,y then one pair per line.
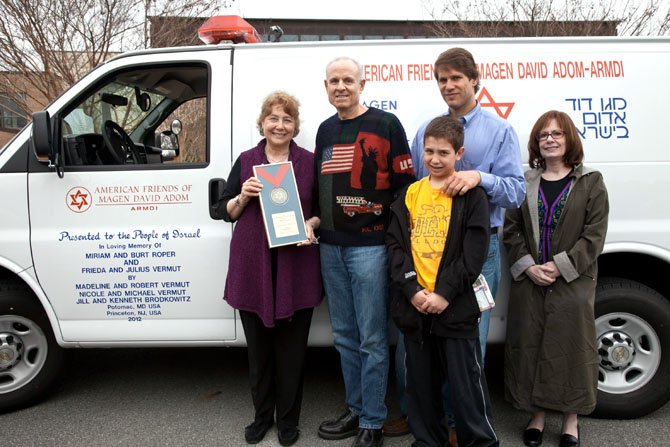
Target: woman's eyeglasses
x,y
555,134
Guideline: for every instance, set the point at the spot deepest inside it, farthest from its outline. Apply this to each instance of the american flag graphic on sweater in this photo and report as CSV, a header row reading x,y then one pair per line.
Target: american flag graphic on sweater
x,y
338,158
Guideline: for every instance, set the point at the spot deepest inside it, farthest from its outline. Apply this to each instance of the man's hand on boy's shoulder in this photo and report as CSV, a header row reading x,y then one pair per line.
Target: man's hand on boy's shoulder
x,y
461,182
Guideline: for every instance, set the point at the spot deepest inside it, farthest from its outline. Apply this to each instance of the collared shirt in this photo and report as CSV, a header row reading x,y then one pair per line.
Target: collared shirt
x,y
492,148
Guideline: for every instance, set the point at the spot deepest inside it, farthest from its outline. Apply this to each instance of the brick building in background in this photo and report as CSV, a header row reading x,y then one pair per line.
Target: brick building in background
x,y
164,30
16,95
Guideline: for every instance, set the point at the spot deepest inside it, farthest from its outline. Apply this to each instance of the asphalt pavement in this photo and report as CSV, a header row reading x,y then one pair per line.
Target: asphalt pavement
x,y
200,397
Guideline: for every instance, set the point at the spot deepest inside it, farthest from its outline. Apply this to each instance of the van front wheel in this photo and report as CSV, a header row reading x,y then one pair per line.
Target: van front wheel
x,y
30,358
633,330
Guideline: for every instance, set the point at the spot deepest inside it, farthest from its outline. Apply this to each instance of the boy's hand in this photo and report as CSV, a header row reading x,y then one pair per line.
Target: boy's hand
x,y
419,299
434,304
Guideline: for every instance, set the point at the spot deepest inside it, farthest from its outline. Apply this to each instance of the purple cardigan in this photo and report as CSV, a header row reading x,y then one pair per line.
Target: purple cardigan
x,y
249,280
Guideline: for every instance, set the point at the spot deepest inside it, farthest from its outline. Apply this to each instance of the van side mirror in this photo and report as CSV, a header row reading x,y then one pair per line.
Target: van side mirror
x,y
168,141
169,145
41,137
42,141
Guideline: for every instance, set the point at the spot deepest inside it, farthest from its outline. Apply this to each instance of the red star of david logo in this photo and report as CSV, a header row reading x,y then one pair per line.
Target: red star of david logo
x,y
78,199
503,109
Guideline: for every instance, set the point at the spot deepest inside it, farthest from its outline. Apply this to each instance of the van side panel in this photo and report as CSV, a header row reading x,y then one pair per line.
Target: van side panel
x,y
614,90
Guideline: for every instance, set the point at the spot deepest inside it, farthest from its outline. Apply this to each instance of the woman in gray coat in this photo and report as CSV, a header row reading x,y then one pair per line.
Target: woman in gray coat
x,y
553,242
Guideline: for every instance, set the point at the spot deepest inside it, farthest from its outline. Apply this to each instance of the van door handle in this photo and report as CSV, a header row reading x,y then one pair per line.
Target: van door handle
x,y
216,187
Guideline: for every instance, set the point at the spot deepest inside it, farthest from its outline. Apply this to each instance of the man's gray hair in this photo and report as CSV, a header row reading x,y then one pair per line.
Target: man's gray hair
x,y
359,68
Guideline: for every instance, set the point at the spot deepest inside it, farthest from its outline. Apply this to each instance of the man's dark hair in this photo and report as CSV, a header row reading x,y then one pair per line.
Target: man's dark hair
x,y
448,128
458,59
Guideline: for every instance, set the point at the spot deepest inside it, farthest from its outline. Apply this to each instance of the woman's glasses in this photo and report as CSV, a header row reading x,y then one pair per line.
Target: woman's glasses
x,y
555,134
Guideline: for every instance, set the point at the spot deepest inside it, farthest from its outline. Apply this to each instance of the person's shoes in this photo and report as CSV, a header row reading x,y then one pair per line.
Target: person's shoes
x,y
343,427
453,439
396,427
369,437
569,440
288,436
532,437
255,432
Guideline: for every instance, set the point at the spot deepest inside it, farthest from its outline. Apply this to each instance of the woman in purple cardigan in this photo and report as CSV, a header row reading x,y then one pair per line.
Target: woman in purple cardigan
x,y
275,290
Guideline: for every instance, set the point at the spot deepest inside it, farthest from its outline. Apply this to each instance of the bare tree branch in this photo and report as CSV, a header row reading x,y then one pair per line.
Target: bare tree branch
x,y
490,18
51,43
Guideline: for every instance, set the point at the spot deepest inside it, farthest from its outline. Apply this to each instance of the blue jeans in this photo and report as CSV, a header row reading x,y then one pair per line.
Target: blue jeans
x,y
356,283
491,272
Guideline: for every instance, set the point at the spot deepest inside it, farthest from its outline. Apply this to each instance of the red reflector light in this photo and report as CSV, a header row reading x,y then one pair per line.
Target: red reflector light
x,y
234,28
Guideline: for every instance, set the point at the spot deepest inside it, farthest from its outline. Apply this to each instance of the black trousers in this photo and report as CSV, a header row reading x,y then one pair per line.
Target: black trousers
x,y
459,360
276,365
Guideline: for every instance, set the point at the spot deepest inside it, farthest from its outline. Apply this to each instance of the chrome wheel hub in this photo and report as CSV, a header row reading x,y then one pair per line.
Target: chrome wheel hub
x,y
616,350
629,351
11,350
23,352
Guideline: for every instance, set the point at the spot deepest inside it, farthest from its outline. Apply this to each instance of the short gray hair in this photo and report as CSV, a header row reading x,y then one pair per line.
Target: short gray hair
x,y
359,68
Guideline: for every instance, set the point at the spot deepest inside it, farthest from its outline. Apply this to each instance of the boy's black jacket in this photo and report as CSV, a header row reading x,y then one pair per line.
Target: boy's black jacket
x,y
464,255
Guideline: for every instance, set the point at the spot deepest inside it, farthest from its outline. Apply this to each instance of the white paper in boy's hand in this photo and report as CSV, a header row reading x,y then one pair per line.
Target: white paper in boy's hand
x,y
483,294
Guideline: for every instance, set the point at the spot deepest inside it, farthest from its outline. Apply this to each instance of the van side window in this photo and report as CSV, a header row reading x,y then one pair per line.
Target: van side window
x,y
150,115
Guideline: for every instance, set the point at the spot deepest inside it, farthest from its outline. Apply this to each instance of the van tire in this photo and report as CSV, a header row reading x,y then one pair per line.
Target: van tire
x,y
632,330
27,345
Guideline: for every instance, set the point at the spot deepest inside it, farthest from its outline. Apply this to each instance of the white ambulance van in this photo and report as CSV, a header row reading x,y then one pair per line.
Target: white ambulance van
x,y
108,237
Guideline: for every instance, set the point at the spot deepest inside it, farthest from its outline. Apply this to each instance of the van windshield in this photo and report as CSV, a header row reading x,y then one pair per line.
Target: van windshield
x,y
114,101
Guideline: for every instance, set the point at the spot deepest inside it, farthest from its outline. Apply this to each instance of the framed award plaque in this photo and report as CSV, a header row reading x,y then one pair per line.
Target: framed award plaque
x,y
280,204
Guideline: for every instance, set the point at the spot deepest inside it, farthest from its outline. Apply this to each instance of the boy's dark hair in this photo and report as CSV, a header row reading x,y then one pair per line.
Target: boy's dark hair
x,y
458,59
446,127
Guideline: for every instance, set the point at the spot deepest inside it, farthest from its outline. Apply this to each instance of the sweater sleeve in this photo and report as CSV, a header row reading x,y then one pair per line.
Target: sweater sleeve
x,y
402,172
417,152
233,188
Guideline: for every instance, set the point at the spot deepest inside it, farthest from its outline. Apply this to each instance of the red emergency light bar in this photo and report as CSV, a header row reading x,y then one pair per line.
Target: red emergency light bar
x,y
234,28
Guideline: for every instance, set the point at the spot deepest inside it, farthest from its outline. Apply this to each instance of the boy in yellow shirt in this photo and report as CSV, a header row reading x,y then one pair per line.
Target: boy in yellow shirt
x,y
437,246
